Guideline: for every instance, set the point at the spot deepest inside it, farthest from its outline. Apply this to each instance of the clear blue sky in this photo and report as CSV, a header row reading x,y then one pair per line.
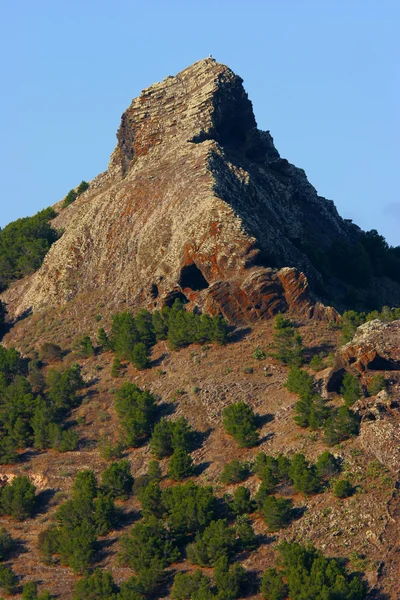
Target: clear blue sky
x,y
323,77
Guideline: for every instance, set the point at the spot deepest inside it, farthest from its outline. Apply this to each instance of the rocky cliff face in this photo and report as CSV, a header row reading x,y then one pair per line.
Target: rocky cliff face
x,y
196,202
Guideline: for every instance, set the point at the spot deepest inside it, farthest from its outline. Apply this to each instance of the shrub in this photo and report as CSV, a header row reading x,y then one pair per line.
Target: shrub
x,y
350,389
85,347
277,512
50,351
191,586
99,585
241,503
309,574
109,451
140,356
259,354
24,244
190,508
148,549
343,488
8,580
311,410
117,480
327,465
272,585
6,544
168,436
69,198
316,363
247,539
304,476
82,187
216,541
180,465
116,367
231,582
124,335
18,498
377,384
287,343
234,472
102,339
240,421
340,426
136,410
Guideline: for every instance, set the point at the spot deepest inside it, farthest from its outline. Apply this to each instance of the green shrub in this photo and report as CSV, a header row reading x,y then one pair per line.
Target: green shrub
x,y
69,198
304,475
84,347
259,354
277,512
140,356
8,580
216,541
311,410
116,367
191,586
110,451
6,544
82,187
327,465
180,465
343,489
148,549
272,585
241,503
168,436
97,586
18,498
240,422
340,426
308,574
246,538
24,244
350,389
117,480
102,339
316,363
136,410
377,384
231,582
190,508
235,472
287,343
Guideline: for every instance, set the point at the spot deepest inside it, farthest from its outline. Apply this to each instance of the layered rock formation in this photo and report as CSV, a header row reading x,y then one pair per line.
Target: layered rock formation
x,y
196,202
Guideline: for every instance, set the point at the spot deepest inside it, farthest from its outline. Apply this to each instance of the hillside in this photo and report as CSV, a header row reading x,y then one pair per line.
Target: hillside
x,y
184,412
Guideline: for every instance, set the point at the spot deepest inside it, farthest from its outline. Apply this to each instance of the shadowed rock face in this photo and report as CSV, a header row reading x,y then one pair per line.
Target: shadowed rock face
x,y
196,203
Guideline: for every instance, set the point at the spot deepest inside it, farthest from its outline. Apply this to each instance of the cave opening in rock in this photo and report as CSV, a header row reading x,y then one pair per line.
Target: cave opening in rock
x,y
382,364
191,277
154,291
335,381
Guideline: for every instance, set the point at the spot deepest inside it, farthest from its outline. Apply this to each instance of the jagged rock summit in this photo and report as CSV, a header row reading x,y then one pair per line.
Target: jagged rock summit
x,y
196,202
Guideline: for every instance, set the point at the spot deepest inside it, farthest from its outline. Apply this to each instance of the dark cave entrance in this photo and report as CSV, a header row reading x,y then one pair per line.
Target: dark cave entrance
x,y
382,364
191,277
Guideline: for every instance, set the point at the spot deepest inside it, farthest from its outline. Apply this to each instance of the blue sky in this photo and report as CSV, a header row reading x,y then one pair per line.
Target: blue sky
x,y
323,78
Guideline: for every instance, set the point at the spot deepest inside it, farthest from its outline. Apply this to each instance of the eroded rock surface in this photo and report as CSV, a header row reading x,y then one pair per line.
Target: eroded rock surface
x,y
196,201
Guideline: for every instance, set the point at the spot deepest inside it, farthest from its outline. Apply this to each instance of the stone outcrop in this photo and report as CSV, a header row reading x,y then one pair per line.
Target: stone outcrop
x,y
374,347
196,202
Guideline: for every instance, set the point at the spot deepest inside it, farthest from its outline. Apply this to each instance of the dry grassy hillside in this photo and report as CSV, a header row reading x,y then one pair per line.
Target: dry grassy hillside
x,y
198,382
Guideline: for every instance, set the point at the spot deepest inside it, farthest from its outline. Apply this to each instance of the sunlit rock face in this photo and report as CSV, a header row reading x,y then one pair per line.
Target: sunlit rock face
x,y
197,204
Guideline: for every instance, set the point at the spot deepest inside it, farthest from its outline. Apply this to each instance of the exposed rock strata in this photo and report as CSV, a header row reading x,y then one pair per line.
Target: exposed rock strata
x,y
196,201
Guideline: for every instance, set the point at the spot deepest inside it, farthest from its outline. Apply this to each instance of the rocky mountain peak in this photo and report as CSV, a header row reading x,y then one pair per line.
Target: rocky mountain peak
x,y
206,101
196,203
